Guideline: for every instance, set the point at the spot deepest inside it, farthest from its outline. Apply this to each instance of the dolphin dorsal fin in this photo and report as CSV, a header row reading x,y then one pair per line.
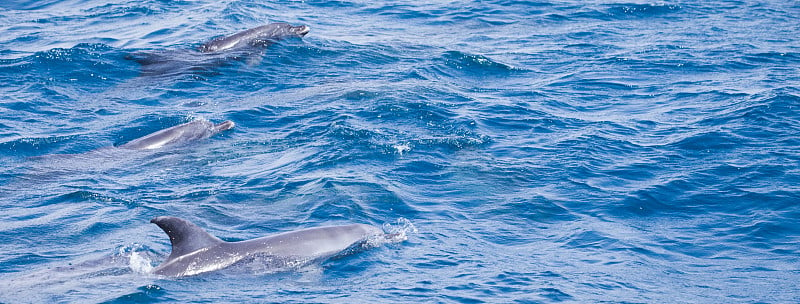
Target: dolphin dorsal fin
x,y
184,236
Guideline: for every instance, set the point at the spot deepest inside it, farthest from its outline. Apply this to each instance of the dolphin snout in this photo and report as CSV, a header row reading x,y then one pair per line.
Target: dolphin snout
x,y
225,125
302,30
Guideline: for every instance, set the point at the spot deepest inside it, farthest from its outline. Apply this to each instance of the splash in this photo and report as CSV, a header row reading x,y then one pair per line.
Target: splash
x,y
395,233
138,262
402,148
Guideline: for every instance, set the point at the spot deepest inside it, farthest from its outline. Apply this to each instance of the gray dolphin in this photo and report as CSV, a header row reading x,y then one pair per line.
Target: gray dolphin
x,y
247,45
195,251
256,37
193,130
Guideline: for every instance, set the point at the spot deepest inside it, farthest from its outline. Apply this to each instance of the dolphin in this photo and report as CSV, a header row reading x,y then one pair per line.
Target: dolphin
x,y
190,131
261,36
195,251
247,45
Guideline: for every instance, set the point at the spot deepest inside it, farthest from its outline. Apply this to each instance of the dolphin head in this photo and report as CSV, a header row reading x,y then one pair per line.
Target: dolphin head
x,y
281,30
301,30
225,125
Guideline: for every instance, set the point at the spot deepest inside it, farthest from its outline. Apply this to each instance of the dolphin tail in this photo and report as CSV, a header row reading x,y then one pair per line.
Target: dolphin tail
x,y
184,236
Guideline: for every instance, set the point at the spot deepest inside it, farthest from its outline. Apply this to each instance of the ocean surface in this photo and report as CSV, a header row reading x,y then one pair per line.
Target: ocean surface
x,y
529,152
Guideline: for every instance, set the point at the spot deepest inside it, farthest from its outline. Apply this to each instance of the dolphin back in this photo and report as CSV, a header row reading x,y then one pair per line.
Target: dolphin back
x,y
313,243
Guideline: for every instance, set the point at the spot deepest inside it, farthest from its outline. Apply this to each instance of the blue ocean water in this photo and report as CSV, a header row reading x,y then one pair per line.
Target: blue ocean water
x,y
534,152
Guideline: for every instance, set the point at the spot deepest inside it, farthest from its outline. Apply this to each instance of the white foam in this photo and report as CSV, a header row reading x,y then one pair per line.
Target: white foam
x,y
399,231
137,261
402,148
